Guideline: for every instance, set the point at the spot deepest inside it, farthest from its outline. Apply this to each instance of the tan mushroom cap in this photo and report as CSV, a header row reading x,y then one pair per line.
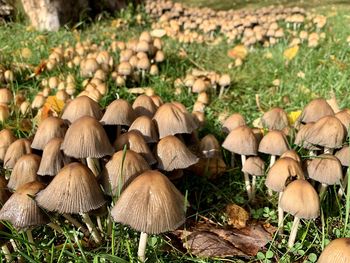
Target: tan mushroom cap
x,y
225,80
301,135
241,141
51,127
282,170
343,155
121,169
291,154
337,251
172,154
150,204
199,86
53,159
301,200
209,147
275,119
232,122
81,106
86,138
15,151
171,120
274,143
118,112
144,105
344,118
73,190
315,110
325,169
21,209
146,127
124,68
254,165
6,138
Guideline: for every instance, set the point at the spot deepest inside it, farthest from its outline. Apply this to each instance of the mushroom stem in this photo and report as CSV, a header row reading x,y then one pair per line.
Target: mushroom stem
x,y
246,179
94,165
253,187
15,248
92,229
272,162
328,150
77,224
30,239
232,160
343,184
280,214
7,253
221,91
141,253
293,232
323,190
99,223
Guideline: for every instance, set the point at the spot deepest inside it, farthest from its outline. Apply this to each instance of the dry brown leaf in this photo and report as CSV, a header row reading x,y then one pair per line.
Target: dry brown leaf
x,y
237,216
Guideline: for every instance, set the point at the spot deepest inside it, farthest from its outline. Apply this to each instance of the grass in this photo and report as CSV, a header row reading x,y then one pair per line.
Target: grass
x,y
326,69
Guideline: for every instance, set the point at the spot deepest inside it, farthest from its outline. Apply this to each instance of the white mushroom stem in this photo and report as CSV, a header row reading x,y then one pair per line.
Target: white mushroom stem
x,y
15,248
253,186
246,179
92,229
99,223
30,239
94,165
141,253
280,214
77,224
343,184
328,150
293,232
323,190
7,253
272,162
222,88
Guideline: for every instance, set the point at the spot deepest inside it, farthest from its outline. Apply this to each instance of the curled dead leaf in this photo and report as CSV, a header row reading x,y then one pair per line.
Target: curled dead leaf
x,y
237,216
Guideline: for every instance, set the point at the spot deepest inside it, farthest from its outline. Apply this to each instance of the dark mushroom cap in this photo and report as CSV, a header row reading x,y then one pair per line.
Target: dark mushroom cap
x,y
86,138
15,151
119,112
300,138
146,127
144,105
325,169
4,192
209,147
301,200
241,141
254,165
73,190
337,251
315,110
6,138
343,155
21,209
150,204
274,143
275,119
232,122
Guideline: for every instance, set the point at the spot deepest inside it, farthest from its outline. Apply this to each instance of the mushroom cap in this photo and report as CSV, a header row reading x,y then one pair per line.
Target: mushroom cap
x,y
282,170
337,251
21,209
146,127
49,128
225,80
274,143
210,147
291,154
172,154
4,192
275,119
53,159
15,151
171,120
343,155
344,118
86,138
118,112
232,122
81,106
121,169
124,68
315,110
24,171
301,135
73,190
144,105
327,132
241,141
301,200
6,138
150,204
254,165
199,86
325,169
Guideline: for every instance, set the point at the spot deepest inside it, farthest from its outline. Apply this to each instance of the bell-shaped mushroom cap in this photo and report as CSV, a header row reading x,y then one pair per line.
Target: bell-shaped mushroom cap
x,y
86,138
135,142
53,158
282,170
241,141
274,143
343,156
146,127
338,251
209,147
157,100
119,112
144,105
315,110
275,119
171,120
6,138
327,132
292,154
173,154
73,190
301,135
51,127
301,200
81,106
325,169
344,118
121,169
232,122
15,151
25,171
254,165
199,86
150,204
4,192
21,209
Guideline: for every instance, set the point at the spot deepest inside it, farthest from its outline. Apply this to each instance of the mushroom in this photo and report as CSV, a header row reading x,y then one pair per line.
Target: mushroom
x,y
146,127
275,119
301,200
15,151
254,166
314,111
144,105
151,204
343,156
6,139
224,81
337,251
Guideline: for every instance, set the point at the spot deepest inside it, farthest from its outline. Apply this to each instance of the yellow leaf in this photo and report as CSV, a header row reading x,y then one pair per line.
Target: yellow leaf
x,y
293,116
290,53
238,51
52,107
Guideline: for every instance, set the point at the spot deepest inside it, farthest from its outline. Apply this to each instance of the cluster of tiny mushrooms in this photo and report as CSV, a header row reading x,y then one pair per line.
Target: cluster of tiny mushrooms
x,y
79,159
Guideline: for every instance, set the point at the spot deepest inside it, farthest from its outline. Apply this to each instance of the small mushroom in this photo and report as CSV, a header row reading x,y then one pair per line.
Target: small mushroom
x,y
337,251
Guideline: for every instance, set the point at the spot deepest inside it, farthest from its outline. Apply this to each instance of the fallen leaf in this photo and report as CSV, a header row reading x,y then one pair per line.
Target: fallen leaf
x,y
238,52
291,52
237,216
293,116
158,32
52,107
